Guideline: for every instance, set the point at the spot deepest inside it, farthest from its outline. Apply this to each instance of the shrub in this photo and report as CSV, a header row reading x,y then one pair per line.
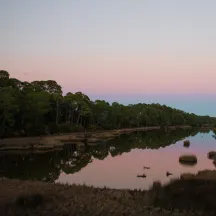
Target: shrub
x,y
77,128
92,127
35,130
53,128
185,195
29,201
108,126
66,127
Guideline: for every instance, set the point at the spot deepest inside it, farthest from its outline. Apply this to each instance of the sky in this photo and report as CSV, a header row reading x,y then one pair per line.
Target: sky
x,y
147,51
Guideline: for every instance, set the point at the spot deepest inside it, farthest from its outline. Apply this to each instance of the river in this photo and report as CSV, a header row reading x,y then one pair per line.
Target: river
x,y
115,163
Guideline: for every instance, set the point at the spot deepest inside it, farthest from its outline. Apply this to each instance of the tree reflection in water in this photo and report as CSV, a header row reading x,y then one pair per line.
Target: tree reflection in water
x,y
48,166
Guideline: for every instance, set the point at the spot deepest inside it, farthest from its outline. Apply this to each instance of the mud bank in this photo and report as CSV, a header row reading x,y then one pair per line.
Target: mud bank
x,y
51,143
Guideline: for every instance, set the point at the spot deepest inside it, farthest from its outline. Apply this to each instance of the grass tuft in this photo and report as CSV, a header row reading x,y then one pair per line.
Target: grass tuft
x,y
29,201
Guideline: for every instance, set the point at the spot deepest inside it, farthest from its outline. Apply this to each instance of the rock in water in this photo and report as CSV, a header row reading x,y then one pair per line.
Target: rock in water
x,y
186,143
188,159
212,155
168,173
146,167
141,176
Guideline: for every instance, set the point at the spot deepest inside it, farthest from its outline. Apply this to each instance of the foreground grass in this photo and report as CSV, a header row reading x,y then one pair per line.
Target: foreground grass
x,y
179,198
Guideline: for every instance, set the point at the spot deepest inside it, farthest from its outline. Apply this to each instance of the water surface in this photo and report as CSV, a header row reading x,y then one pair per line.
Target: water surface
x,y
115,163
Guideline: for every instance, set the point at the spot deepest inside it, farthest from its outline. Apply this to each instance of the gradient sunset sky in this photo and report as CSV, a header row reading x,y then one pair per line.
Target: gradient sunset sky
x,y
120,50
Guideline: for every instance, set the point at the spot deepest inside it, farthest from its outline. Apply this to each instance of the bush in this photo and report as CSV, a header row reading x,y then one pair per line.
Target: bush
x,y
36,130
108,127
29,201
77,128
53,128
92,127
185,195
8,132
66,127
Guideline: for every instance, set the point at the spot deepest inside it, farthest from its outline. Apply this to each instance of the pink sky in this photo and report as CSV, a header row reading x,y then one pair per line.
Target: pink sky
x,y
121,171
115,74
112,47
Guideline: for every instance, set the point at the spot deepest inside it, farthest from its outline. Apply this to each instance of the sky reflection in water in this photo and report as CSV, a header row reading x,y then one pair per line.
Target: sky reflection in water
x,y
116,163
121,171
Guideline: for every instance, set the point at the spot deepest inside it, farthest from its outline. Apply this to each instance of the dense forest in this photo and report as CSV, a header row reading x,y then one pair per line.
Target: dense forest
x,y
39,107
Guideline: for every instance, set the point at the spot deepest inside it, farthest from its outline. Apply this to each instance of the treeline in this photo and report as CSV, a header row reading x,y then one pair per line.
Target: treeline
x,y
39,107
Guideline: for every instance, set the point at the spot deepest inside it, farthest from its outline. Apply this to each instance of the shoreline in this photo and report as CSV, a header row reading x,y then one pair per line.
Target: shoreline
x,y
21,197
56,142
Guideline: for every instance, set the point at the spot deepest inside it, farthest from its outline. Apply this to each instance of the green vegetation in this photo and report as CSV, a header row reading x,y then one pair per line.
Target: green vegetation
x,y
39,108
195,192
201,175
178,198
29,200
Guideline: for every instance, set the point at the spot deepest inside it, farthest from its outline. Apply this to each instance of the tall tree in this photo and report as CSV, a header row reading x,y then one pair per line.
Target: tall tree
x,y
29,108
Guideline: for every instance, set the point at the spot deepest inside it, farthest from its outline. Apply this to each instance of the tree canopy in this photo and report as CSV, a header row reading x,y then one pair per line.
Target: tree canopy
x,y
39,107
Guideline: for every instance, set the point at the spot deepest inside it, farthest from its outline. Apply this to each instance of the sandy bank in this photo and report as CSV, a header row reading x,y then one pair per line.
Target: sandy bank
x,y
50,143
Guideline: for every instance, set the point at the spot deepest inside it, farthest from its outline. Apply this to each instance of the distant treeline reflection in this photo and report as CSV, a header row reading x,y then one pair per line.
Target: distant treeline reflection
x,y
48,166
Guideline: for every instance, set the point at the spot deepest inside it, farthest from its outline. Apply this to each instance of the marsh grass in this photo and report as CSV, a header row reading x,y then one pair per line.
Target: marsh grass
x,y
29,200
191,194
37,198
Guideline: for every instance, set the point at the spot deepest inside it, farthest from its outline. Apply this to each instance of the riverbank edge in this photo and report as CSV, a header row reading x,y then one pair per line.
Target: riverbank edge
x,y
20,197
56,142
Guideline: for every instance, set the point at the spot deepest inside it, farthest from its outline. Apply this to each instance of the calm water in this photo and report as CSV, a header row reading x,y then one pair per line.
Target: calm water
x,y
116,163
